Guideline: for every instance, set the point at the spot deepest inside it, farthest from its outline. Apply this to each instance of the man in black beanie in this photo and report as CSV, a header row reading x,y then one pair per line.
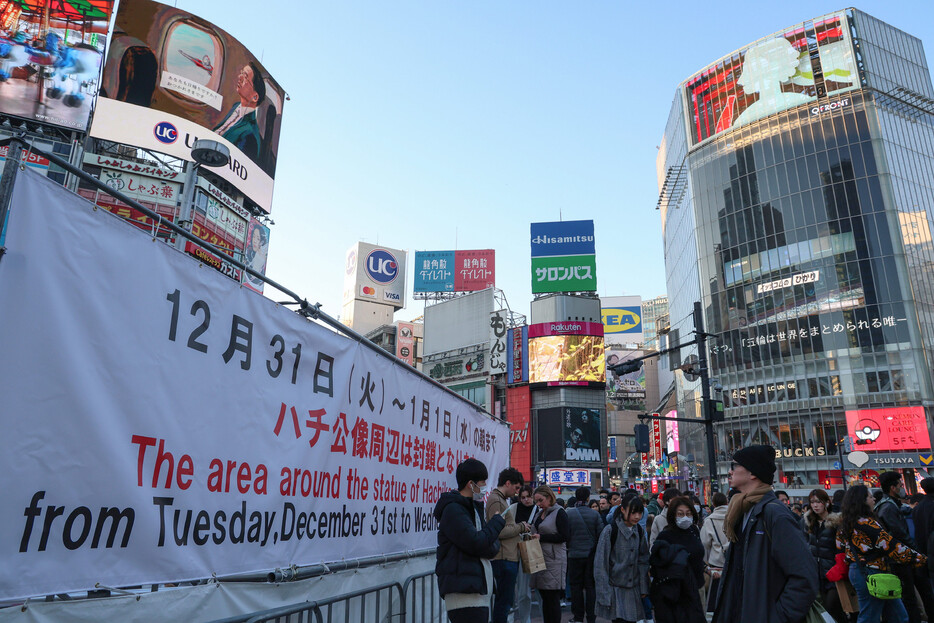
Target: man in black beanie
x,y
763,575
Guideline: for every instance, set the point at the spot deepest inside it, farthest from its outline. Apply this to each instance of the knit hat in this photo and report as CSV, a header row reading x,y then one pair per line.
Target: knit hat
x,y
759,460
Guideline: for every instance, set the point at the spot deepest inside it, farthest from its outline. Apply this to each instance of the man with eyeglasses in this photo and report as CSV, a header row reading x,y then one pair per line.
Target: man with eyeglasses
x,y
763,578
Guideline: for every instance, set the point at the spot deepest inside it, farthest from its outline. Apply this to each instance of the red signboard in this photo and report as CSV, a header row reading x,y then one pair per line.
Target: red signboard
x,y
656,440
897,428
213,261
518,413
474,270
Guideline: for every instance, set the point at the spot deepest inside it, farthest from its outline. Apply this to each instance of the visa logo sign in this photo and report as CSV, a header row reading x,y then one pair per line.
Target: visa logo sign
x,y
622,320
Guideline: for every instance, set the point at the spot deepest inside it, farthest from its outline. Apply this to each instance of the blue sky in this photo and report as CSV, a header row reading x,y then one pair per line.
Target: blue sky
x,y
444,124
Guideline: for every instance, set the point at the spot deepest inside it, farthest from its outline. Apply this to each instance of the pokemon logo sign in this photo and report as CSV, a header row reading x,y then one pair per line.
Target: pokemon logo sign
x,y
897,428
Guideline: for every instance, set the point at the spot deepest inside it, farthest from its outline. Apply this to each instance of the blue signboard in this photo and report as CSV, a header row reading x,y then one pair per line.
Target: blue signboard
x,y
562,238
622,320
434,271
613,448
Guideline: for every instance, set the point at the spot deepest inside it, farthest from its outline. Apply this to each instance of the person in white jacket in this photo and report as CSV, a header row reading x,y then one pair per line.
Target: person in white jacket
x,y
714,540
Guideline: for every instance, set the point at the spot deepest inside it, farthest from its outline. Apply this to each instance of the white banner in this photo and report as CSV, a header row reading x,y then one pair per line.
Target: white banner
x,y
162,424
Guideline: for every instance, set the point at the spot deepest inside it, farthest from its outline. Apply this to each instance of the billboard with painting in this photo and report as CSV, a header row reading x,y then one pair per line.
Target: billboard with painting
x,y
179,78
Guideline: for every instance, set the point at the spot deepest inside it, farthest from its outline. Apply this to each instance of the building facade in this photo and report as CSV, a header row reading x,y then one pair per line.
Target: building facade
x,y
797,189
654,317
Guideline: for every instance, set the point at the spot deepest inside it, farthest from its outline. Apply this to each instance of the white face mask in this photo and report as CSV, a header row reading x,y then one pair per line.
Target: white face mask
x,y
477,493
684,522
696,508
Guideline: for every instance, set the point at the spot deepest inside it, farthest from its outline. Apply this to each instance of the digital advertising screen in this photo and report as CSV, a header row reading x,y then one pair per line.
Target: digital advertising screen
x,y
582,439
567,353
776,73
181,78
51,59
624,391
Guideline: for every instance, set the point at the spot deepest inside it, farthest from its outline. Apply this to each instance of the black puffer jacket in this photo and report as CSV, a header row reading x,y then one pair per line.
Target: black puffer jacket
x,y
461,545
822,538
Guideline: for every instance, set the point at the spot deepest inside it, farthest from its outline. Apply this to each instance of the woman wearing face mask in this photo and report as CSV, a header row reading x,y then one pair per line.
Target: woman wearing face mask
x,y
551,526
677,580
525,511
621,565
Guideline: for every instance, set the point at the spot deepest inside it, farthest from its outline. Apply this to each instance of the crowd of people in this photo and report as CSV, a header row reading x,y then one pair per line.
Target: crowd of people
x,y
750,555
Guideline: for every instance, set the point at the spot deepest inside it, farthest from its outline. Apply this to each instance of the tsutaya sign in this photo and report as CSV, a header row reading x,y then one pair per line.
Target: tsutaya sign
x,y
213,432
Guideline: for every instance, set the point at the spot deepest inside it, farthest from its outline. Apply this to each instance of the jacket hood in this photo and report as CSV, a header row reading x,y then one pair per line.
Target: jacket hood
x,y
451,497
833,519
719,513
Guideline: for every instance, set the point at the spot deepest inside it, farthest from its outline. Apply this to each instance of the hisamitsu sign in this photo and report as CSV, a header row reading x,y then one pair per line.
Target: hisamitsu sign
x,y
563,257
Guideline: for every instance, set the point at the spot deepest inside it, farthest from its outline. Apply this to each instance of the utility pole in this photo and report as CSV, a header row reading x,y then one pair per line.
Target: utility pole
x,y
705,391
699,369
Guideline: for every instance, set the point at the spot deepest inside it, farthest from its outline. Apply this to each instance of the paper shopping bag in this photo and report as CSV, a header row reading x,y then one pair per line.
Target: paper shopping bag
x,y
847,595
533,560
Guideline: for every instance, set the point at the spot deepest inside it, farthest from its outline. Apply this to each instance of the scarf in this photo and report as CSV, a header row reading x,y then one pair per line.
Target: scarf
x,y
739,506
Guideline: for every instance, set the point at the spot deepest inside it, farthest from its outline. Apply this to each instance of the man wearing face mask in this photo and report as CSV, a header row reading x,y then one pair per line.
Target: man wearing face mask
x,y
466,543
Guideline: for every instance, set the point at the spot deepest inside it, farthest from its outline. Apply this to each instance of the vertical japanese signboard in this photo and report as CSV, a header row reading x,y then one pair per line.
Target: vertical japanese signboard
x,y
563,257
656,440
498,349
405,342
518,355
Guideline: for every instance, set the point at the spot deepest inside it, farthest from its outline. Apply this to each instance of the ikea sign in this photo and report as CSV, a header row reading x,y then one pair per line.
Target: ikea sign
x,y
622,320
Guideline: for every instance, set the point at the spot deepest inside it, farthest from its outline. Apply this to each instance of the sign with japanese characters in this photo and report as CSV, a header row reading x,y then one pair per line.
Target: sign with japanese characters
x,y
208,431
568,477
405,342
454,271
498,353
517,355
141,187
896,429
563,257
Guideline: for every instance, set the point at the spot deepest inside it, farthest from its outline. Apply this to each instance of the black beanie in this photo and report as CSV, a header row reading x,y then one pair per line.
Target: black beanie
x,y
759,460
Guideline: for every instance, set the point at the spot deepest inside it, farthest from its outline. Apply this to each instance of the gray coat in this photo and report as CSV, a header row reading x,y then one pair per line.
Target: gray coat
x,y
776,586
556,559
621,578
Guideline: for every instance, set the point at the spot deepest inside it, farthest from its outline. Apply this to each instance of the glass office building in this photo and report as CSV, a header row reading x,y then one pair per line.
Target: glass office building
x,y
797,190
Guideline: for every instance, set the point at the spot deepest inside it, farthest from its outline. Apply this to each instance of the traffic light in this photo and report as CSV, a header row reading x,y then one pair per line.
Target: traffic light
x,y
715,409
626,367
847,444
642,437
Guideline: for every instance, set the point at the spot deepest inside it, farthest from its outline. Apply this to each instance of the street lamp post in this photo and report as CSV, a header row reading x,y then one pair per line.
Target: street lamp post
x,y
207,153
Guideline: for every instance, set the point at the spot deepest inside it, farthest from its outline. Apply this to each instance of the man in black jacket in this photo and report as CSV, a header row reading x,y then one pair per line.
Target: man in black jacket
x,y
586,526
892,517
763,578
465,545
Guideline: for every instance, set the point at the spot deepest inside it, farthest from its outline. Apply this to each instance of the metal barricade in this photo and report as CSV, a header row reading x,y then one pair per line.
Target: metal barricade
x,y
414,601
421,600
370,605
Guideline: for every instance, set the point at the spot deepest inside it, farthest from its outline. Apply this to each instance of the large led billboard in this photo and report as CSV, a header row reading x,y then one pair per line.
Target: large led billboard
x,y
566,353
800,65
899,429
51,59
171,77
454,271
624,391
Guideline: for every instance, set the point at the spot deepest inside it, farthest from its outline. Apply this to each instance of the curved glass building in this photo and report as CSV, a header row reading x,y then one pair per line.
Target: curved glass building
x,y
797,190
